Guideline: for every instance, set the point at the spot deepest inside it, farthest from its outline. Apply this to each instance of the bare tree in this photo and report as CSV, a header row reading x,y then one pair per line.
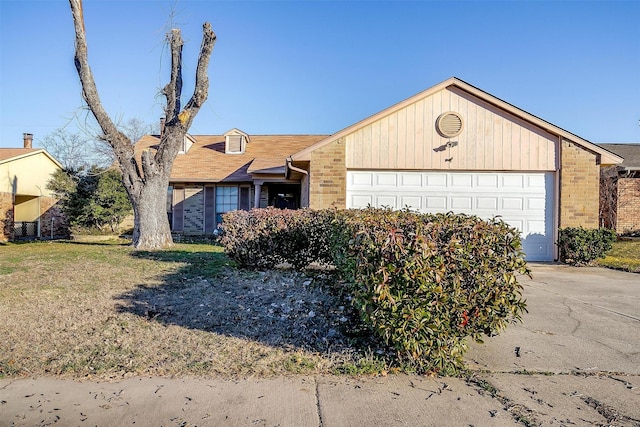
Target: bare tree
x,y
136,128
74,151
146,177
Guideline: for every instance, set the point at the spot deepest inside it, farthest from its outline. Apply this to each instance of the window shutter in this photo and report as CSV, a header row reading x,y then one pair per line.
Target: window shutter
x,y
209,210
178,209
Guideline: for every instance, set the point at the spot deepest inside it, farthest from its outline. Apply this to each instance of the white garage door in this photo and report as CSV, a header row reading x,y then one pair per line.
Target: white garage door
x,y
523,200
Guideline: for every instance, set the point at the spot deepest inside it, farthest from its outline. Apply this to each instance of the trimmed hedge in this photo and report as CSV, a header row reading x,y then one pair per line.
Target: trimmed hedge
x,y
261,239
580,246
424,284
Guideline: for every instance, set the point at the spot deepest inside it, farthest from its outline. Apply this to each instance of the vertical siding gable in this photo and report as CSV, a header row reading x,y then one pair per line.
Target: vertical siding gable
x,y
491,139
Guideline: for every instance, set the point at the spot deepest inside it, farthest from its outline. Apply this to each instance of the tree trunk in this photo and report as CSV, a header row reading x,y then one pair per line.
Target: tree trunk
x,y
151,225
146,176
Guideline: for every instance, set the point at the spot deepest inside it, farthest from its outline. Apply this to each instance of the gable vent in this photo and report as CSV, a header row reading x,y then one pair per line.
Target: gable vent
x,y
449,124
235,143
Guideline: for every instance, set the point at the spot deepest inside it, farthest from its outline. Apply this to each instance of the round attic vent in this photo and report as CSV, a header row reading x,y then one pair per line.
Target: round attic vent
x,y
449,124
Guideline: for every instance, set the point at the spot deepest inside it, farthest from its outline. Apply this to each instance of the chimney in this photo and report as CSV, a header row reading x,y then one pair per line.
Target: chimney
x,y
163,120
28,140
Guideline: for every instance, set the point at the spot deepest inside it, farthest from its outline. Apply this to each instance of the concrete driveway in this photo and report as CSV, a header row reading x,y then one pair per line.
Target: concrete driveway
x,y
580,319
575,358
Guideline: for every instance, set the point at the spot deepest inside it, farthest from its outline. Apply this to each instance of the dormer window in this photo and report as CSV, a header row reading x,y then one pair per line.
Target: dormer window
x,y
235,141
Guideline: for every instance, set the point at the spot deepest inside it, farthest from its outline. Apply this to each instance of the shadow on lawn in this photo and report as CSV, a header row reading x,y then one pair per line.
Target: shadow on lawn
x,y
283,309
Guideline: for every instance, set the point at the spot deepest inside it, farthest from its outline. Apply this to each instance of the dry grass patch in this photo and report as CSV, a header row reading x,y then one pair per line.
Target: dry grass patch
x,y
106,311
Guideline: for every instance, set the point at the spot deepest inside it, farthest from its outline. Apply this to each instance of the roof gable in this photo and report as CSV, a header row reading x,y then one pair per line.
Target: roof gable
x,y
13,154
458,86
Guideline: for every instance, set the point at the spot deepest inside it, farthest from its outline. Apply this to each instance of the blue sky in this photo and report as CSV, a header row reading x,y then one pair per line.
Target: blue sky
x,y
315,67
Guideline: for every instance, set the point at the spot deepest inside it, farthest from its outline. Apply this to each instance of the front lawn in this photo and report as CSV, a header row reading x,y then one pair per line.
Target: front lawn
x,y
104,310
625,255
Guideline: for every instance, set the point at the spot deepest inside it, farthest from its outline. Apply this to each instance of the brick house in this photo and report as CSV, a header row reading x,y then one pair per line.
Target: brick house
x,y
620,190
27,208
214,174
452,147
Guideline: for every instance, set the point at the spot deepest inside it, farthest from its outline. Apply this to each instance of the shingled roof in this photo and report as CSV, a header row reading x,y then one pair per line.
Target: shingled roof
x,y
206,160
630,152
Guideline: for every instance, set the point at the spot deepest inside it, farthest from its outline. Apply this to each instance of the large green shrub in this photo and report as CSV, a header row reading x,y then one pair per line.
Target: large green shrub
x,y
427,282
424,284
580,246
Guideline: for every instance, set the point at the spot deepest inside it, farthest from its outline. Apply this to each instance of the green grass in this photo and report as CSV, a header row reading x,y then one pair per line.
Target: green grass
x,y
625,255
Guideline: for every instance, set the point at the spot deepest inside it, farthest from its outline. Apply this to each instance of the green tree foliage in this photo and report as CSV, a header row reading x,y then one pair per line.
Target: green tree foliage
x,y
92,199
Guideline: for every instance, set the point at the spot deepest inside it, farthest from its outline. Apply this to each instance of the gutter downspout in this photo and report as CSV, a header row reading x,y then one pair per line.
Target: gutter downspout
x,y
293,168
557,209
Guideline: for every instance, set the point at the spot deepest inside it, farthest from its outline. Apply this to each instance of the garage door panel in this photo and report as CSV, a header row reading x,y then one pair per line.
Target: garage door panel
x,y
435,202
523,200
411,180
361,179
386,202
536,227
360,201
487,203
512,203
415,202
536,181
513,181
436,180
461,180
387,180
536,203
487,181
463,203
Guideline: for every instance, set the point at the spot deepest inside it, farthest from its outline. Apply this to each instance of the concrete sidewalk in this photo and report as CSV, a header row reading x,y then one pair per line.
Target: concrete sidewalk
x,y
325,401
577,363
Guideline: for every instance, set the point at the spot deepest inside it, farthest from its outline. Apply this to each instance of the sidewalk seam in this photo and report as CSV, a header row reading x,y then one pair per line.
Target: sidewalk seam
x,y
318,408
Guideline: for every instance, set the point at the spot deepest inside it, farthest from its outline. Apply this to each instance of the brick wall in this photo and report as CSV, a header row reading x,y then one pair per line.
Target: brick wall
x,y
6,216
628,209
328,177
52,216
579,187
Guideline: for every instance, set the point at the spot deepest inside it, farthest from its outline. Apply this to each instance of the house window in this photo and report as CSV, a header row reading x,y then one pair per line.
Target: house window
x,y
226,200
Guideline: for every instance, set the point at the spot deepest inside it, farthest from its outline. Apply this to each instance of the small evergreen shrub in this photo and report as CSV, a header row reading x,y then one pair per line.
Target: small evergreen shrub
x,y
580,246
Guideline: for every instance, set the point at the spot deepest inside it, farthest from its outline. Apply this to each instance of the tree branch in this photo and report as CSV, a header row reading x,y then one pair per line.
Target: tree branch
x,y
173,89
122,146
201,89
